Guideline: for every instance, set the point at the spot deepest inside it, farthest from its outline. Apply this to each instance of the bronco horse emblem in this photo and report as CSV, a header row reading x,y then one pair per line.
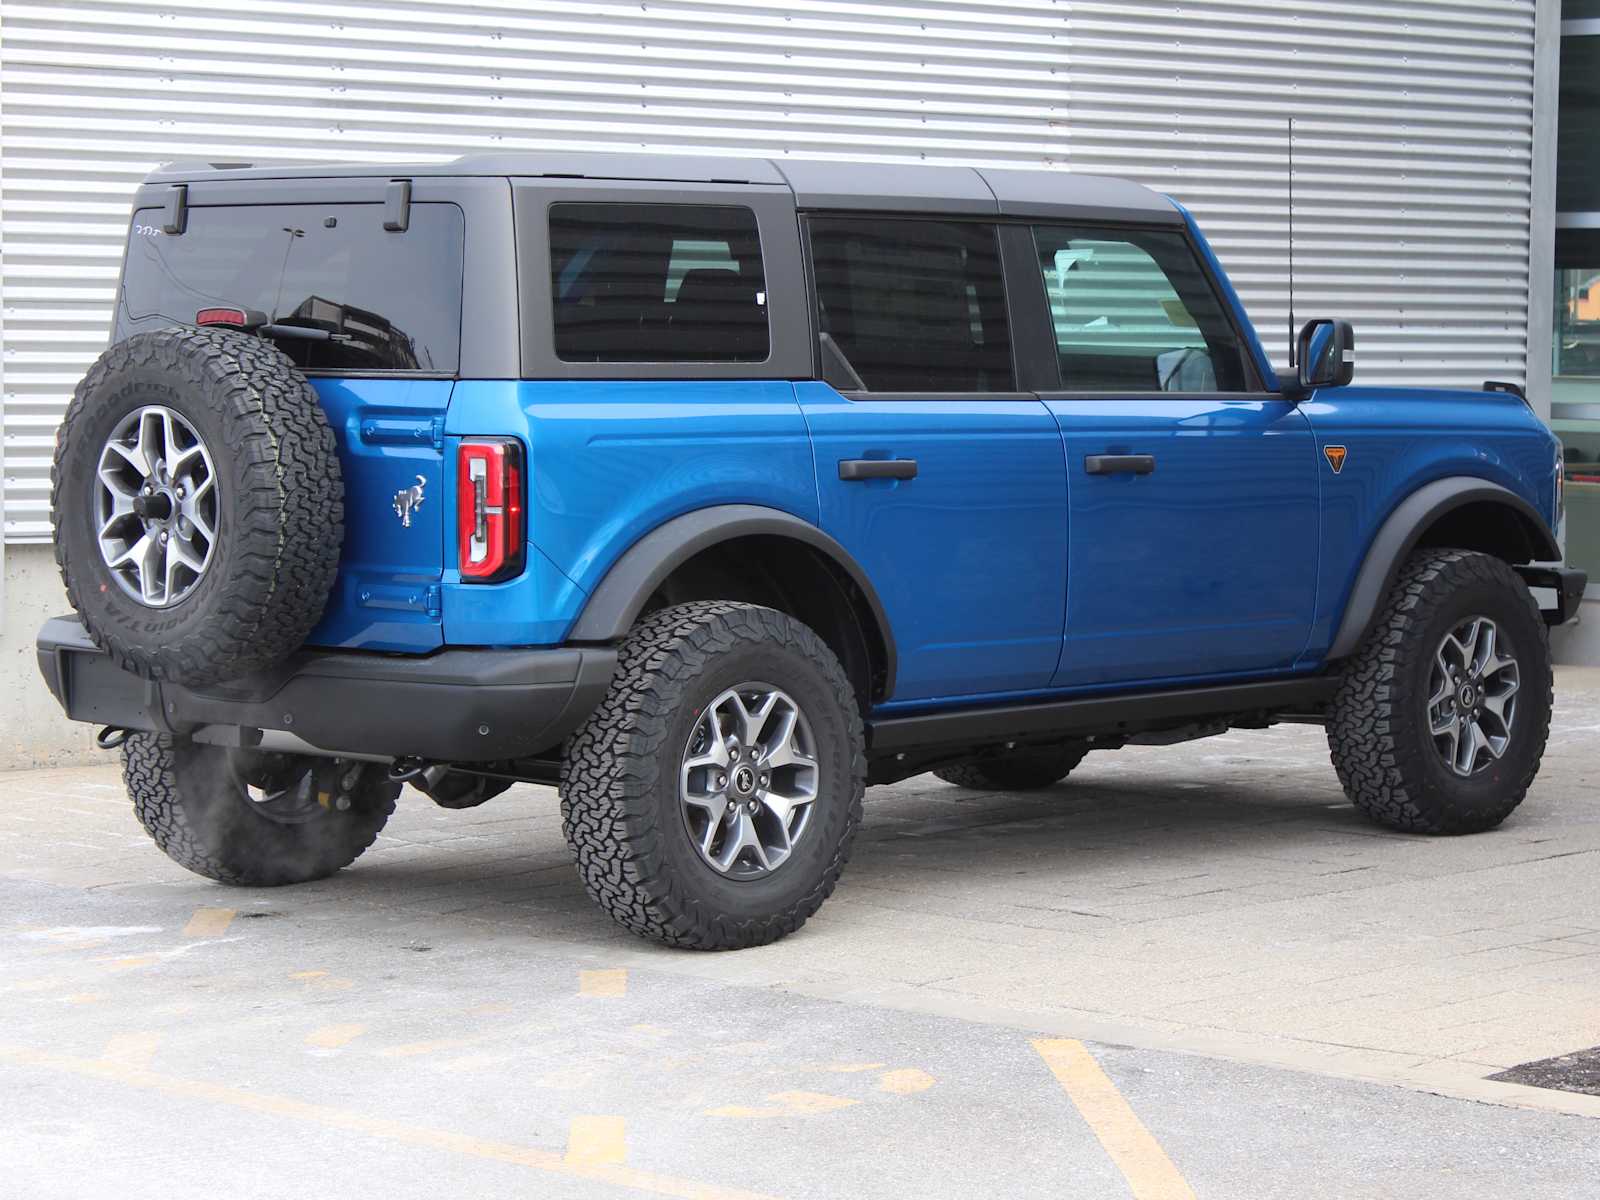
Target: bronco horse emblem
x,y
408,500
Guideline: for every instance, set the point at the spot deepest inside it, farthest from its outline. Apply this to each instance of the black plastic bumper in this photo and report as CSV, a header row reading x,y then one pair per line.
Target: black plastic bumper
x,y
448,706
1568,584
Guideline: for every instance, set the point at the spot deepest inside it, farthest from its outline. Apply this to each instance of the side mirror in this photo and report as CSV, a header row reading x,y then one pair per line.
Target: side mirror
x,y
1327,354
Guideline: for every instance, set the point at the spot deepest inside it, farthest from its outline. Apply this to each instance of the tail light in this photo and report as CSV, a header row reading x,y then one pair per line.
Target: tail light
x,y
489,509
242,318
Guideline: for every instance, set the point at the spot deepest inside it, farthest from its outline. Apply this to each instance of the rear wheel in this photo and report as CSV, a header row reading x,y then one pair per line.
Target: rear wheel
x,y
1019,771
712,796
254,819
1441,717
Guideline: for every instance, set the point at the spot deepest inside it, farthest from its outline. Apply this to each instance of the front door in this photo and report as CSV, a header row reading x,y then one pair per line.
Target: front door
x,y
1194,493
943,481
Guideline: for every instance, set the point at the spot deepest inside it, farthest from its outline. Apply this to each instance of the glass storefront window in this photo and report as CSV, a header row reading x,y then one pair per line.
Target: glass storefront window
x,y
1575,395
1575,407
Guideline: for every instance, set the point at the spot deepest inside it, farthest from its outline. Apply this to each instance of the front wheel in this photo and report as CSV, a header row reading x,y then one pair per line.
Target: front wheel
x,y
1441,716
250,818
711,798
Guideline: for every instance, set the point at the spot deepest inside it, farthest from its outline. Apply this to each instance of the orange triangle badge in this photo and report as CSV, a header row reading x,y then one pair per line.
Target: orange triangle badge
x,y
1335,456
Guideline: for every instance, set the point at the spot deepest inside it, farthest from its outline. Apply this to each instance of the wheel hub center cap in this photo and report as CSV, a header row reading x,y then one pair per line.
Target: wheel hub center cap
x,y
744,780
1467,696
157,506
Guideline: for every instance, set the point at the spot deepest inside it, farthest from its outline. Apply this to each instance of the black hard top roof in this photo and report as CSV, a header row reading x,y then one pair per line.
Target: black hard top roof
x,y
815,184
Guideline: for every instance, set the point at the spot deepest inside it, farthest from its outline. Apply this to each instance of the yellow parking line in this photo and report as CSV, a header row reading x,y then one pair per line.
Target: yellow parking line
x,y
610,983
131,1049
785,1104
1143,1163
907,1081
593,1141
330,1117
209,922
331,1037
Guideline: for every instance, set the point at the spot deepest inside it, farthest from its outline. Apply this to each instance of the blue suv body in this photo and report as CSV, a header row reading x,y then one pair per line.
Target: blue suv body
x,y
1000,447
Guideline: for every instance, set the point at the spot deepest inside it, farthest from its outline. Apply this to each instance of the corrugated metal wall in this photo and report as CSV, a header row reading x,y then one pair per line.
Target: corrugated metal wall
x,y
1415,122
1413,160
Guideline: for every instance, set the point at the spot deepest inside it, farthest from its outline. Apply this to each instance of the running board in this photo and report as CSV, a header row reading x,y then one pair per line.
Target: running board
x,y
1094,715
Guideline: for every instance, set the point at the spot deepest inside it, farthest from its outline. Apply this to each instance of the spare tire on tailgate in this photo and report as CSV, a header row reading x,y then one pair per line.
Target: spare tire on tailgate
x,y
197,503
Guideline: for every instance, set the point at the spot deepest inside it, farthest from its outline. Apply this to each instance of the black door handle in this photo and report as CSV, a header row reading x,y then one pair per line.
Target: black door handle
x,y
1119,464
877,468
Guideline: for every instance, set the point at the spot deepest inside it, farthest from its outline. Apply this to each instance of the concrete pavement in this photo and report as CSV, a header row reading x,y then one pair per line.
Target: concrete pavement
x,y
453,1008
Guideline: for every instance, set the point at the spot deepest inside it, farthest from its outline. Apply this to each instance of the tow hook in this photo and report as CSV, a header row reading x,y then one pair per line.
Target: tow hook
x,y
110,737
404,770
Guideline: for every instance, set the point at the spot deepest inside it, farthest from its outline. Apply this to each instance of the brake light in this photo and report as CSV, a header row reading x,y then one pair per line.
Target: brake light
x,y
489,503
222,316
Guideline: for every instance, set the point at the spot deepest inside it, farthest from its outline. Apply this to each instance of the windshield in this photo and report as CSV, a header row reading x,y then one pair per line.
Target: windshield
x,y
391,301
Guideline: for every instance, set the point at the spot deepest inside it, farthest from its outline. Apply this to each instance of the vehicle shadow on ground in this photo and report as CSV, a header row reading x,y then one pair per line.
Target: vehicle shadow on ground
x,y
1093,842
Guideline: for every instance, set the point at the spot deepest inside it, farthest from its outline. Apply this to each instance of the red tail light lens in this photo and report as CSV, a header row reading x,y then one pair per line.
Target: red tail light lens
x,y
222,316
489,487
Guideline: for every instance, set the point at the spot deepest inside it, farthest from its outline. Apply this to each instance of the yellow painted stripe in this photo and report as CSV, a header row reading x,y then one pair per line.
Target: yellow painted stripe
x,y
412,1049
132,1049
321,979
329,1117
597,1140
610,983
785,1104
135,960
209,922
906,1081
1143,1163
331,1037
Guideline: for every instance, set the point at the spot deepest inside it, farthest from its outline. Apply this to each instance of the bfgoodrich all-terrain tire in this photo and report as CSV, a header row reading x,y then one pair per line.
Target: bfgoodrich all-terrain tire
x,y
1026,770
254,819
712,797
198,504
1441,717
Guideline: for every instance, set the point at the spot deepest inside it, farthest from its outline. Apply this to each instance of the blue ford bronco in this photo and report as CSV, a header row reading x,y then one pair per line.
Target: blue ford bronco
x,y
714,490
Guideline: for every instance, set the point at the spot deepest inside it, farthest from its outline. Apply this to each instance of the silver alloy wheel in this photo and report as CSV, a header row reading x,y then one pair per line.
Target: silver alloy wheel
x,y
1472,696
748,780
156,506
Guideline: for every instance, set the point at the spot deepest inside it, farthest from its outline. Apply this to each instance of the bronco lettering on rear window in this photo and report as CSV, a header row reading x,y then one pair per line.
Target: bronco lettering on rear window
x,y
389,301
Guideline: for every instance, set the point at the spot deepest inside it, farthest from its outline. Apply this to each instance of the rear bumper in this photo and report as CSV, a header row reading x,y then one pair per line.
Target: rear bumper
x,y
448,706
1568,584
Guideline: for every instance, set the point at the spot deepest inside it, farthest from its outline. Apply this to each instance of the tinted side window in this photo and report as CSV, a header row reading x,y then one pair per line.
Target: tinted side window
x,y
657,283
1133,312
390,301
911,306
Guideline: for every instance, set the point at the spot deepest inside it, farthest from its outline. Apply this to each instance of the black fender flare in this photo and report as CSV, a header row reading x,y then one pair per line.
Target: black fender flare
x,y
615,604
1398,536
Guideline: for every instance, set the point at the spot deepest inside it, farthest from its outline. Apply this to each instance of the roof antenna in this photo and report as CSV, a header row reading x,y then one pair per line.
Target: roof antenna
x,y
1293,366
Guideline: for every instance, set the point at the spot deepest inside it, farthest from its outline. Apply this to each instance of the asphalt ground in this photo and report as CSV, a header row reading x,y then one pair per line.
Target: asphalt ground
x,y
1188,971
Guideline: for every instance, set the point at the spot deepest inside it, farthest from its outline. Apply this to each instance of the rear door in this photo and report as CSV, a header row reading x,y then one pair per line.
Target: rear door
x,y
381,313
1194,493
941,478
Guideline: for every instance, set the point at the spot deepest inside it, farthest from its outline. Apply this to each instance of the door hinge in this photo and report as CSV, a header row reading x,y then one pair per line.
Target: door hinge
x,y
434,601
403,431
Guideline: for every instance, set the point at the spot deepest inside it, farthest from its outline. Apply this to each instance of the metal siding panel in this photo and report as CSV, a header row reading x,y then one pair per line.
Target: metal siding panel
x,y
1413,161
1415,120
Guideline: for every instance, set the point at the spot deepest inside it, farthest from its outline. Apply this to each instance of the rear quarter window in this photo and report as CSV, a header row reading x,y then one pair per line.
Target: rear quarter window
x,y
665,283
391,301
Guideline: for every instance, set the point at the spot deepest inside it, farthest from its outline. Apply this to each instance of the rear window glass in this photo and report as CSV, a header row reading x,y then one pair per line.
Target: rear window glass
x,y
657,283
388,301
